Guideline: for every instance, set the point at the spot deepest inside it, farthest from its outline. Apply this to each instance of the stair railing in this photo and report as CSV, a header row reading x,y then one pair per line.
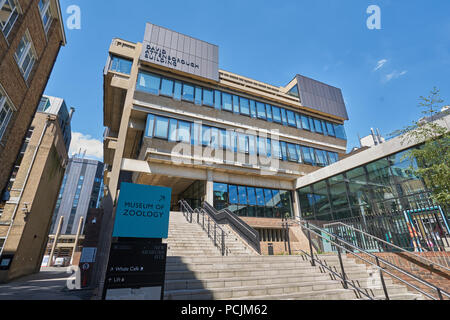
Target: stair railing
x,y
380,264
246,232
340,228
212,229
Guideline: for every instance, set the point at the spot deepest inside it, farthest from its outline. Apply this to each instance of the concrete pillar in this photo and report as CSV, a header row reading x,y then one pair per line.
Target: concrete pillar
x,y
55,241
80,225
209,197
296,204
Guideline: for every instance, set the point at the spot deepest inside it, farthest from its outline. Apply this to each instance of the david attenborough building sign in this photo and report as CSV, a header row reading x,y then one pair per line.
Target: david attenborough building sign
x,y
174,50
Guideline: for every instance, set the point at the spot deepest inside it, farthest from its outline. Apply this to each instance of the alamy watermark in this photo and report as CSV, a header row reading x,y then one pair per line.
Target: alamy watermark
x,y
73,22
374,20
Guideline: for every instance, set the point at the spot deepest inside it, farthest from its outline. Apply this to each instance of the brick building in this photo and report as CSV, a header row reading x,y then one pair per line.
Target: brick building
x,y
31,36
33,187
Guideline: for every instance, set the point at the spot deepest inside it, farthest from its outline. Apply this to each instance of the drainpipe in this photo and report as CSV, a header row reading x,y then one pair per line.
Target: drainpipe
x,y
26,179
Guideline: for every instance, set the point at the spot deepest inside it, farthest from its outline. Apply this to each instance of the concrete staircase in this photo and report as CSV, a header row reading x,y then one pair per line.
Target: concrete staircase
x,y
368,278
195,270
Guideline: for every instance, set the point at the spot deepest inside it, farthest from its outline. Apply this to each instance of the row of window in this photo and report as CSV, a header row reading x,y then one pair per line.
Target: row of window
x,y
278,202
6,112
10,11
219,100
196,134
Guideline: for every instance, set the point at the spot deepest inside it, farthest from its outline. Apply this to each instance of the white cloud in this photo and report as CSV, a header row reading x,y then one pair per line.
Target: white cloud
x,y
394,75
380,64
93,147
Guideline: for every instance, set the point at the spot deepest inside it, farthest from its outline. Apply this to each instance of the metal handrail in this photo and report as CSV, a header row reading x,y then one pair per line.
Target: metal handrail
x,y
336,274
218,241
432,263
386,263
246,232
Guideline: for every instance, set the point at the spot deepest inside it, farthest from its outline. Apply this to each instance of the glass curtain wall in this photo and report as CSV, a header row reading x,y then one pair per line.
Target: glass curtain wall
x,y
253,202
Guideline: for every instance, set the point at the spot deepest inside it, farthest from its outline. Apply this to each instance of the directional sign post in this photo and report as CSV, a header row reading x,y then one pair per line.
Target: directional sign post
x,y
137,259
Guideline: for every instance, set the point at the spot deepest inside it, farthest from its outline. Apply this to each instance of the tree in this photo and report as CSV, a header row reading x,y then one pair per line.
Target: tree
x,y
433,153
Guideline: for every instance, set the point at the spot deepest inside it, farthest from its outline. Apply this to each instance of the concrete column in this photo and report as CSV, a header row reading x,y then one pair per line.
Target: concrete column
x,y
296,204
55,241
209,197
80,225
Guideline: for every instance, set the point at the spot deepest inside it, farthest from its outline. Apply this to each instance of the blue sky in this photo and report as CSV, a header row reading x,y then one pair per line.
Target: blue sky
x,y
381,73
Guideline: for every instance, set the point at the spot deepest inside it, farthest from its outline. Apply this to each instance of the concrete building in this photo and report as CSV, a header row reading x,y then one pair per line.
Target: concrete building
x,y
32,191
175,119
31,35
80,191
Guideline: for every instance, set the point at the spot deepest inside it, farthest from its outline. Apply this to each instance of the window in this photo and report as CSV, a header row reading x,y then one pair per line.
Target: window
x,y
184,132
308,156
251,197
233,194
173,130
198,95
262,146
276,149
242,195
298,121
321,158
305,122
44,104
24,55
235,104
232,141
215,138
340,131
208,98
44,9
188,92
294,92
245,107
291,118
121,65
161,128
242,143
318,126
261,108
206,136
283,117
227,102
292,152
252,148
167,87
284,151
196,129
299,153
6,112
149,83
8,15
217,100
330,129
177,90
253,109
222,139
276,114
260,197
150,125
269,112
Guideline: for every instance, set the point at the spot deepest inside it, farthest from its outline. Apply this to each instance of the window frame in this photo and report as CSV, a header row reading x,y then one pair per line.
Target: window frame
x,y
46,9
9,23
29,50
4,104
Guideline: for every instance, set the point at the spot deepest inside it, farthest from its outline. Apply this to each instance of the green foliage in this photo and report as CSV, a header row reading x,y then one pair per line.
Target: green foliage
x,y
433,154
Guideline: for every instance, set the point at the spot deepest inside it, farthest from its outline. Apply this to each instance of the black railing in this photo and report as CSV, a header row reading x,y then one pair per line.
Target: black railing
x,y
225,216
383,266
213,230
